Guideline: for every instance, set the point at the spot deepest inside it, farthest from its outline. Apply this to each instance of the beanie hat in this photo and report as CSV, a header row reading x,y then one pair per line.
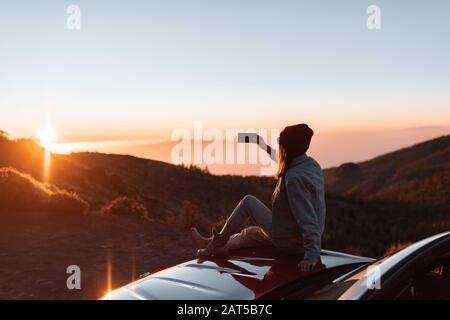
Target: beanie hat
x,y
296,139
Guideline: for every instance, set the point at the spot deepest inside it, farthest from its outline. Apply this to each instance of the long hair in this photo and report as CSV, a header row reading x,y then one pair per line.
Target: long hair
x,y
294,141
284,160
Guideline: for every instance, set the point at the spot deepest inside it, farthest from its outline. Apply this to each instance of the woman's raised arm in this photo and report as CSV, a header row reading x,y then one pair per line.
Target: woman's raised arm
x,y
271,151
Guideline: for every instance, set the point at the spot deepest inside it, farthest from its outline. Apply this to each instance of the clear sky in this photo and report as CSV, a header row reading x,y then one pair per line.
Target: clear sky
x,y
139,69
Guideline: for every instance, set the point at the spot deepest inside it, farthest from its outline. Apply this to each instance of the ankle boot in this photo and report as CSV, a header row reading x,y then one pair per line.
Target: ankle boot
x,y
215,247
199,240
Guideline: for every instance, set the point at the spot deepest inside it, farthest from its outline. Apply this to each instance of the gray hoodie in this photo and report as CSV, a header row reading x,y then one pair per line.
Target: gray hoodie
x,y
298,208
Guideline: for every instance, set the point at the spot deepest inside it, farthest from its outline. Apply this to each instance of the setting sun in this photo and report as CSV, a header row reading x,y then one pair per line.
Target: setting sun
x,y
46,137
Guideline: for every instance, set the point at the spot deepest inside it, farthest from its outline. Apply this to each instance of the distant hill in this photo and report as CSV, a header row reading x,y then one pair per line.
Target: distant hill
x,y
419,174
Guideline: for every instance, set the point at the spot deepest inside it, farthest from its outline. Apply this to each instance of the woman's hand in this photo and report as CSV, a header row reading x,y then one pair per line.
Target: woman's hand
x,y
306,266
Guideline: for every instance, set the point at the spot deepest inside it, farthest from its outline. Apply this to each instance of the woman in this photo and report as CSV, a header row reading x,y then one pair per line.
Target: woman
x,y
296,222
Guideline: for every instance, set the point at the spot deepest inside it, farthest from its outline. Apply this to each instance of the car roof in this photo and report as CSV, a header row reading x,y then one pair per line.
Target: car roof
x,y
246,274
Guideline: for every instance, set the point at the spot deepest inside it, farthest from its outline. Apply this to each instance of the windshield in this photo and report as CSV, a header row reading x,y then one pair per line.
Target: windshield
x,y
334,290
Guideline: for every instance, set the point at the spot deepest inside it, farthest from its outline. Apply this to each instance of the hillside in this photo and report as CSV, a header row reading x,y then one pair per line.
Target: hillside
x,y
167,191
419,174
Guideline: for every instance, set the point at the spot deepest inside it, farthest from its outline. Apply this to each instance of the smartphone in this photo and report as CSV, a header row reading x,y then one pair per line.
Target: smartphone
x,y
244,137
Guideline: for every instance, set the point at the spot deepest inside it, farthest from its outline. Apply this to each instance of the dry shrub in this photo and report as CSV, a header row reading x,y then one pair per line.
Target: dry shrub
x,y
193,217
393,248
190,216
20,192
126,207
172,220
441,226
355,250
67,202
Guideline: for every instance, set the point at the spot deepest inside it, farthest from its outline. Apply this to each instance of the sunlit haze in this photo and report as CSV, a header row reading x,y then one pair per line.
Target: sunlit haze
x,y
140,71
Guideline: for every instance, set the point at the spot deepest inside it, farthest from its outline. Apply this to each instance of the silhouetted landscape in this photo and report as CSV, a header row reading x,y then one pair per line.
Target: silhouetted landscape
x,y
131,215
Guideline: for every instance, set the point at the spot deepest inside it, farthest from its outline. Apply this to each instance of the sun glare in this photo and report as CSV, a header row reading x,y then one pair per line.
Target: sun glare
x,y
46,137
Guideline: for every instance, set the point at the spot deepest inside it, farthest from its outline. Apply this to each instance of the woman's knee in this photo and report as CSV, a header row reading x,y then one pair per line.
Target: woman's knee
x,y
248,200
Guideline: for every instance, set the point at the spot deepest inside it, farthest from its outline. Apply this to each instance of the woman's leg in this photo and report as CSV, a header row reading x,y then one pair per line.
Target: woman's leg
x,y
231,236
248,238
249,207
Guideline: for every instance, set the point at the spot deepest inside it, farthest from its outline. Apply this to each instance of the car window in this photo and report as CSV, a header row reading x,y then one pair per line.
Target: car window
x,y
334,290
433,282
426,282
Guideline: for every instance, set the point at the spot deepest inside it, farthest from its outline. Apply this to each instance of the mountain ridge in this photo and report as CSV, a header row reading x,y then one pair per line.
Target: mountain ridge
x,y
402,171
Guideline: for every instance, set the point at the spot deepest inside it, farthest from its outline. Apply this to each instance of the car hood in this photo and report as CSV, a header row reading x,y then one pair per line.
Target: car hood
x,y
244,275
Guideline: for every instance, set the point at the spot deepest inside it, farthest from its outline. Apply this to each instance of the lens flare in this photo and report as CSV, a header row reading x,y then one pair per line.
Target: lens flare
x,y
46,137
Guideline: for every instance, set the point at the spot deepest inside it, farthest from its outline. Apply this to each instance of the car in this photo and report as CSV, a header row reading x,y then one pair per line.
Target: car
x,y
420,271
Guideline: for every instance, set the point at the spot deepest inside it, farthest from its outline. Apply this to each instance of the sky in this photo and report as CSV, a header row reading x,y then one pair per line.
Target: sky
x,y
141,69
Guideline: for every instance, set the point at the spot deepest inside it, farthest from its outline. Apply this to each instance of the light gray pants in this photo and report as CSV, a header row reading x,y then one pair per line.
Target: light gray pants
x,y
251,208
